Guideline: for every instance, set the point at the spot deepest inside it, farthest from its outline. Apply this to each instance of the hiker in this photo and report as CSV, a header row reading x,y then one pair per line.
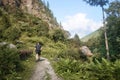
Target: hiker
x,y
38,51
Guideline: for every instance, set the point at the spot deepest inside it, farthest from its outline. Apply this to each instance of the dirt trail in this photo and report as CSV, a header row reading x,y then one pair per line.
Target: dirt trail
x,y
44,71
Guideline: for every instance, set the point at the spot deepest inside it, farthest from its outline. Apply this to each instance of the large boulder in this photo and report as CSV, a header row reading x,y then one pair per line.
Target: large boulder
x,y
86,51
12,46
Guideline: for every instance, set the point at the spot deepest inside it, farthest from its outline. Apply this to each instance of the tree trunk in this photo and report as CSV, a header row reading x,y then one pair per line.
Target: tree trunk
x,y
105,34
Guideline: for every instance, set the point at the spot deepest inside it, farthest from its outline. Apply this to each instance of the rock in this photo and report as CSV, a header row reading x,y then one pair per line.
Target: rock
x,y
3,43
8,45
12,46
86,51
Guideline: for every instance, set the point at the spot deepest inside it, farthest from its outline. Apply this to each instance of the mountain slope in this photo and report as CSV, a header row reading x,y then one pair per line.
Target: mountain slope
x,y
23,23
34,7
26,18
94,34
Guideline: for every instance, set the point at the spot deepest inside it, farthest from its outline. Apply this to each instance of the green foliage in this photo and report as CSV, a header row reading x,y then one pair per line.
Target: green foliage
x,y
76,40
42,29
71,53
12,33
97,44
1,12
58,35
19,15
113,28
99,69
51,49
97,2
95,34
117,70
9,63
29,66
70,69
16,24
4,22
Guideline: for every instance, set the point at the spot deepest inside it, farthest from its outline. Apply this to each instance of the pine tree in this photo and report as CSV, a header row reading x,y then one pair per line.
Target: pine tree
x,y
101,3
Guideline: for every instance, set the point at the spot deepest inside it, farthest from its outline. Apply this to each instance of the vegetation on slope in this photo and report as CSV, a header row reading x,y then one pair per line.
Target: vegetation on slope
x,y
24,30
95,34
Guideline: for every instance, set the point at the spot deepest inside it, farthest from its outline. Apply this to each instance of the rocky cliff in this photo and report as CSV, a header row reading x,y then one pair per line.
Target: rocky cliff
x,y
34,7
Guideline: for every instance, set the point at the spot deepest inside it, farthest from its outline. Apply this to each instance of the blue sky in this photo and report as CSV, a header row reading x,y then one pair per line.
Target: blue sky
x,y
76,16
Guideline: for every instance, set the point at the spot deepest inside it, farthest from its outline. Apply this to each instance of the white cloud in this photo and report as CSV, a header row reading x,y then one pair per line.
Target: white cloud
x,y
80,24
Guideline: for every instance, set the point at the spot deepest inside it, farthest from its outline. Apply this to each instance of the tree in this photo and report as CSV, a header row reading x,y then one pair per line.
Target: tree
x,y
101,3
48,4
58,35
113,25
77,40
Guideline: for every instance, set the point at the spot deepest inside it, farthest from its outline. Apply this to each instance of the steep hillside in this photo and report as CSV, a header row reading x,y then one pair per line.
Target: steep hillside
x,y
26,18
23,23
34,7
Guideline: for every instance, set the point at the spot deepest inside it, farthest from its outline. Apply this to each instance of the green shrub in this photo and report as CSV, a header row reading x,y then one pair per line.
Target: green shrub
x,y
58,35
51,49
9,62
12,33
116,73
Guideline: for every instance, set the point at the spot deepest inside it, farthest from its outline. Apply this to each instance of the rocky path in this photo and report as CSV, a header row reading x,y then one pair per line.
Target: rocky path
x,y
44,71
